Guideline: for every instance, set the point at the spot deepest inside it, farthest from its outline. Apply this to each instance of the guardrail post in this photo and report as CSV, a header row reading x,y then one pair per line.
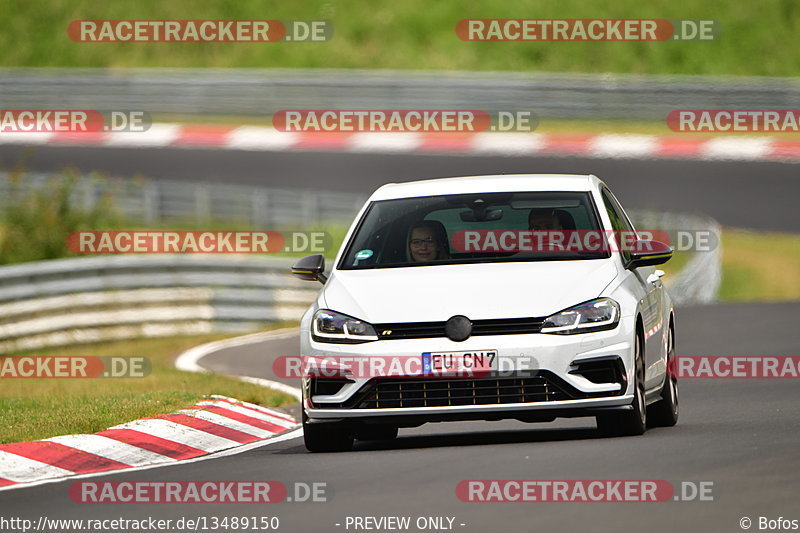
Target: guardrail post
x,y
310,203
86,190
202,204
150,203
260,217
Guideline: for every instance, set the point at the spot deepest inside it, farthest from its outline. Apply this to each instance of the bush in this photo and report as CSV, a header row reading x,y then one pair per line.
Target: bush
x,y
38,217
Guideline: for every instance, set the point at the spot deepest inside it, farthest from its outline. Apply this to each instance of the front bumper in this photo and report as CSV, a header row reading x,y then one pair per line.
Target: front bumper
x,y
541,411
564,358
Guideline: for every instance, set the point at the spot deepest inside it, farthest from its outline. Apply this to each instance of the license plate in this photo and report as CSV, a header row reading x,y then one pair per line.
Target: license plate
x,y
475,361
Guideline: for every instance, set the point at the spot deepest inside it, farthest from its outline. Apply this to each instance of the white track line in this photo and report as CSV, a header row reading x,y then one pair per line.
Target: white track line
x,y
275,385
189,360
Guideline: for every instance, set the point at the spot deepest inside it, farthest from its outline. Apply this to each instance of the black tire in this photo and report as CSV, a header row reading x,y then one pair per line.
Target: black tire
x,y
664,413
632,422
376,432
327,437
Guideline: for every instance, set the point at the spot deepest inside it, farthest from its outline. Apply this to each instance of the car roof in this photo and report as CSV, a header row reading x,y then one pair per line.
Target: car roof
x,y
491,183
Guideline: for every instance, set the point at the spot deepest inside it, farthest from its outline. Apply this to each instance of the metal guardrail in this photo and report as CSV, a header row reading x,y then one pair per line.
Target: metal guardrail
x,y
71,301
264,91
157,201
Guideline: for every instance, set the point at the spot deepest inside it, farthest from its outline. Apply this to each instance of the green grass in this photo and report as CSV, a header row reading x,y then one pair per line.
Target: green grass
x,y
760,266
756,37
33,409
35,224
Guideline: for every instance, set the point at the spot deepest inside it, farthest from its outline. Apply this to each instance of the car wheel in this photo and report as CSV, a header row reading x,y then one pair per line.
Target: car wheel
x,y
664,413
376,432
327,437
630,422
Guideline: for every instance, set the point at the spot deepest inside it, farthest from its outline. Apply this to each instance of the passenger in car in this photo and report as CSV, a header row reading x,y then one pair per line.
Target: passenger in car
x,y
427,241
543,219
551,221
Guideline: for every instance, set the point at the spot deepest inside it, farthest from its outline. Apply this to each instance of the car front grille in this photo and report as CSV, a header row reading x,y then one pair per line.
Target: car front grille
x,y
428,330
399,393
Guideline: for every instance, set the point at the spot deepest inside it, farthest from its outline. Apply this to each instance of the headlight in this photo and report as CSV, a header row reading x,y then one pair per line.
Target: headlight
x,y
595,315
330,326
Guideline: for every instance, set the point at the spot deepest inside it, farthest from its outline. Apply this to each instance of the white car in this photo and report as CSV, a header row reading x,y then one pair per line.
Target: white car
x,y
444,270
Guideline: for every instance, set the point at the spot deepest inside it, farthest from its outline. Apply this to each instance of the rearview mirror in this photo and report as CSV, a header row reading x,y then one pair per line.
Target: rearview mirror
x,y
648,253
311,268
481,215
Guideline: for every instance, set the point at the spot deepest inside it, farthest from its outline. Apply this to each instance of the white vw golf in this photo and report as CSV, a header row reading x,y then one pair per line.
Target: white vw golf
x,y
528,297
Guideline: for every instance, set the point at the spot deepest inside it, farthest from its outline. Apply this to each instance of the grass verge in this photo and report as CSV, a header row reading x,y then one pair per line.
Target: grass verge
x,y
33,409
414,34
758,266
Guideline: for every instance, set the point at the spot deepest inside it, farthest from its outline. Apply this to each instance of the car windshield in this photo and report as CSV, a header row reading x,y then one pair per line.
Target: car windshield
x,y
476,228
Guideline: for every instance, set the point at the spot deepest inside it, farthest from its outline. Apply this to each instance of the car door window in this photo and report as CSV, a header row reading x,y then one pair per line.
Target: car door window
x,y
619,222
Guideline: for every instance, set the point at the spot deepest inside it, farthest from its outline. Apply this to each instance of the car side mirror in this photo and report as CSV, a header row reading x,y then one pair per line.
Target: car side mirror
x,y
648,253
311,268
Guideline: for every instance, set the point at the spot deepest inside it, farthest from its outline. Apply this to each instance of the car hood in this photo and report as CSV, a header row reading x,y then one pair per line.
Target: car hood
x,y
477,291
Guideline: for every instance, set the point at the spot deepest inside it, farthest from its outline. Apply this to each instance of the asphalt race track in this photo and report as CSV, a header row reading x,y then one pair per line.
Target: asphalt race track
x,y
757,195
739,434
742,435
